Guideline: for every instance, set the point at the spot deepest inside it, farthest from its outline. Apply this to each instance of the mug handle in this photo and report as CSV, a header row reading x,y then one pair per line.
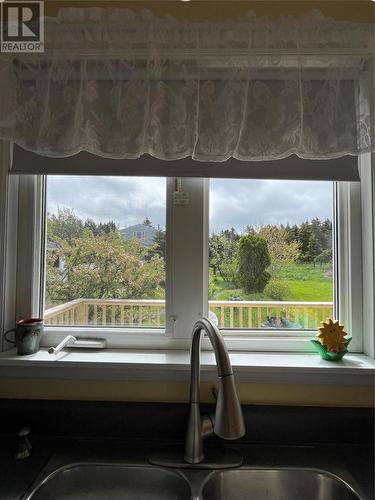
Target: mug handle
x,y
6,333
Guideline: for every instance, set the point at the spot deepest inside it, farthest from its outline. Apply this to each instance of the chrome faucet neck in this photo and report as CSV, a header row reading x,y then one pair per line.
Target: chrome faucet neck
x,y
228,422
221,354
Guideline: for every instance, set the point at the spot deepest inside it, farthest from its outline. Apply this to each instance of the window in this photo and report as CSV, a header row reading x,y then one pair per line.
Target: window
x,y
105,254
187,267
183,212
271,254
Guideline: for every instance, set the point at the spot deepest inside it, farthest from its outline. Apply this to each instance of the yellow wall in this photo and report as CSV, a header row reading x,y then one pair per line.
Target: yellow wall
x,y
215,10
294,394
249,393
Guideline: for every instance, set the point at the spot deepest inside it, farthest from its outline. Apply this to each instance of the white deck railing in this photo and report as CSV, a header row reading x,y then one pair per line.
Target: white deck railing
x,y
230,314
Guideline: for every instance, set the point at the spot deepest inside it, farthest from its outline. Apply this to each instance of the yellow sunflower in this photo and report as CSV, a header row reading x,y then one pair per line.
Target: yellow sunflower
x,y
331,335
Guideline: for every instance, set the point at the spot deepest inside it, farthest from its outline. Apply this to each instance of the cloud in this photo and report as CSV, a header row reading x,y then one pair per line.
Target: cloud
x,y
238,203
126,201
233,203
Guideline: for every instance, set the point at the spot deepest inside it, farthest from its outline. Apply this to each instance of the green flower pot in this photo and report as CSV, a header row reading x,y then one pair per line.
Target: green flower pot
x,y
329,355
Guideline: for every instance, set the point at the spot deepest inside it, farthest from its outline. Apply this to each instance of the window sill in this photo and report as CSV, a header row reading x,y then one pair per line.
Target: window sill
x,y
121,364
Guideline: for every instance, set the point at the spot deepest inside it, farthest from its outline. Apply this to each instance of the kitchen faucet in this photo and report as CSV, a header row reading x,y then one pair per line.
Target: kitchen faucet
x,y
228,420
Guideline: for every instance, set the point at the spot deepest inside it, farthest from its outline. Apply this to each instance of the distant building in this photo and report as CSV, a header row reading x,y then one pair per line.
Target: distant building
x,y
141,232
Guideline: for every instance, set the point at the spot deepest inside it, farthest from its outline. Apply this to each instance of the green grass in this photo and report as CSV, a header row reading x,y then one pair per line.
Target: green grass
x,y
306,283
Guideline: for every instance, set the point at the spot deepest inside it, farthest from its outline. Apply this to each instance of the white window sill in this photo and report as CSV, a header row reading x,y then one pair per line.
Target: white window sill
x,y
111,364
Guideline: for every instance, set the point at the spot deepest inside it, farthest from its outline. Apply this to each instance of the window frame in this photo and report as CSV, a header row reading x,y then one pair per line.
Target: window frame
x,y
182,278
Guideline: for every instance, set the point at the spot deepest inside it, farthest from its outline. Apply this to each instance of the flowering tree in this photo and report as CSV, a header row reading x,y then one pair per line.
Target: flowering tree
x,y
281,250
103,267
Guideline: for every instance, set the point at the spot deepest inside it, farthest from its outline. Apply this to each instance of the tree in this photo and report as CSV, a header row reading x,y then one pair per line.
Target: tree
x,y
314,248
101,228
104,267
324,258
254,258
215,252
223,248
304,233
66,226
326,229
159,247
147,222
292,233
313,237
281,251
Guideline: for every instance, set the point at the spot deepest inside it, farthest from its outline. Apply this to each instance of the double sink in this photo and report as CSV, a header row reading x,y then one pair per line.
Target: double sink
x,y
106,481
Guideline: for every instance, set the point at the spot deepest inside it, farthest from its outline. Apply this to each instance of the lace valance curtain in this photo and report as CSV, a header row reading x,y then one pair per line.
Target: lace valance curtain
x,y
120,84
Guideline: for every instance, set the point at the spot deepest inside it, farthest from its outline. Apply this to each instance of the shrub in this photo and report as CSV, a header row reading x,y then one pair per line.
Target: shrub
x,y
253,260
277,289
229,271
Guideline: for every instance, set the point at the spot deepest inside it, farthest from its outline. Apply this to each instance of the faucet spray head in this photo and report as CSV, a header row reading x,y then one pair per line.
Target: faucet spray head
x,y
229,423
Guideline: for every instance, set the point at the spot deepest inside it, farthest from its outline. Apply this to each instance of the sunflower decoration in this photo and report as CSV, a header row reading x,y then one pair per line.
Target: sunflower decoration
x,y
331,335
331,344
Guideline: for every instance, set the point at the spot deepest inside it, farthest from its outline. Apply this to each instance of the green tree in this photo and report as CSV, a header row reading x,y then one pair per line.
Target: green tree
x,y
65,226
314,247
324,258
326,229
101,228
223,248
159,247
304,233
105,266
215,252
312,237
253,260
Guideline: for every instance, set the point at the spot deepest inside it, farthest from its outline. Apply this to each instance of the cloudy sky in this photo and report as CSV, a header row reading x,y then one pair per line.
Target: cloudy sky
x,y
233,203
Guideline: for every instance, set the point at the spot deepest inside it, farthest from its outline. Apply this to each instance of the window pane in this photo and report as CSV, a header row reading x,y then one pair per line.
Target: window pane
x,y
270,253
105,251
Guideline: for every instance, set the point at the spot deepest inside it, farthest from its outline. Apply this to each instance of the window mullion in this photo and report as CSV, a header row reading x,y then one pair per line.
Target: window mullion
x,y
350,261
187,274
368,251
366,106
30,246
8,241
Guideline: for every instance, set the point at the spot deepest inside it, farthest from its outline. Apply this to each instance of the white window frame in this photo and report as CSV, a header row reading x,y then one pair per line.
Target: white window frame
x,y
187,271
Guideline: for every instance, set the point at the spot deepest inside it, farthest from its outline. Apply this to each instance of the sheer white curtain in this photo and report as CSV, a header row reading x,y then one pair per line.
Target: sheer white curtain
x,y
120,84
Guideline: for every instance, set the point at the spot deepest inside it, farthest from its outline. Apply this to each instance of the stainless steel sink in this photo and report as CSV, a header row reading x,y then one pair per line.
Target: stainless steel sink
x,y
276,484
111,482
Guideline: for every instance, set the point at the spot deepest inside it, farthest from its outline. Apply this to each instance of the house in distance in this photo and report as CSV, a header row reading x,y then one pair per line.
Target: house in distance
x,y
145,233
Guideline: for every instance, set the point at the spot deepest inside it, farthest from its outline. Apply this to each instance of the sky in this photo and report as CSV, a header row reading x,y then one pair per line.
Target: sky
x,y
233,203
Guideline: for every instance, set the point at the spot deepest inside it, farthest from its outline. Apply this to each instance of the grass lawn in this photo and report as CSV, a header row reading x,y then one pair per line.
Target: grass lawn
x,y
306,283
